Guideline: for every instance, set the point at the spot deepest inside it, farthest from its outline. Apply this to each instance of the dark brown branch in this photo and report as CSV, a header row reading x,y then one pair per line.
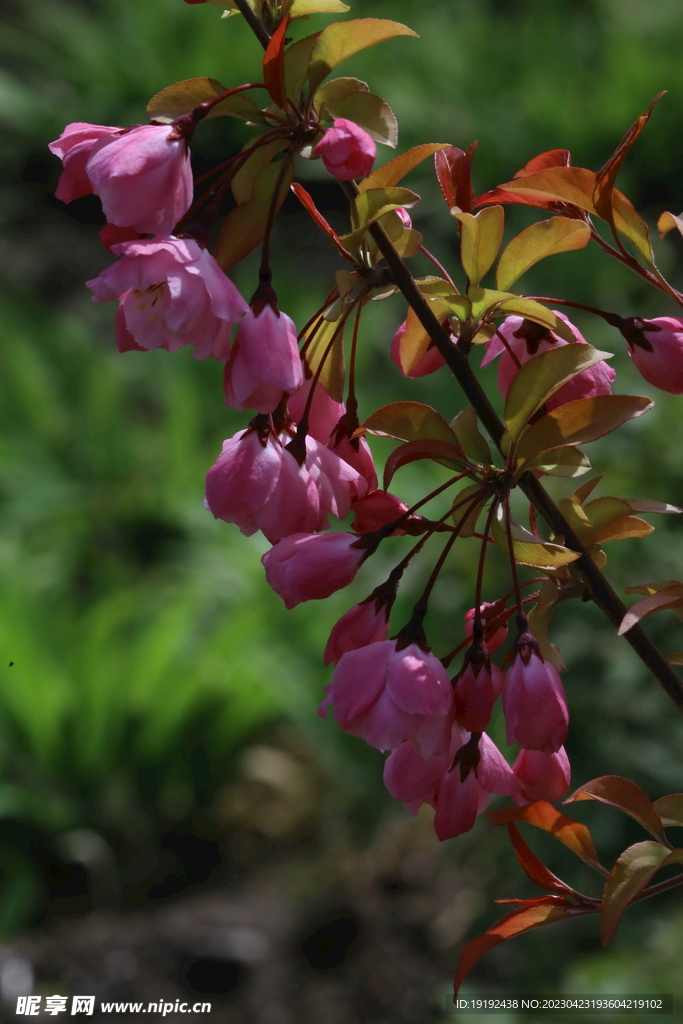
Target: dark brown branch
x,y
254,22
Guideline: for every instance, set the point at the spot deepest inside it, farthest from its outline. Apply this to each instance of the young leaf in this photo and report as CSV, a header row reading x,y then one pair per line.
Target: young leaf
x,y
621,529
539,240
529,549
574,185
274,65
558,462
551,158
302,8
333,92
454,174
297,62
470,439
481,235
604,511
580,422
670,597
370,206
415,341
667,221
624,794
629,223
539,620
409,421
394,171
372,113
607,176
670,809
627,879
585,490
539,314
306,201
535,869
541,377
645,505
544,816
244,180
544,911
445,452
181,98
332,375
466,511
344,38
245,226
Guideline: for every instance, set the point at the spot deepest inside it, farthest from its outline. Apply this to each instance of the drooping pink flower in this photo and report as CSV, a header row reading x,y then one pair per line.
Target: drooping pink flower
x,y
311,566
260,486
347,151
112,235
73,148
663,366
490,610
337,482
543,776
432,359
364,624
323,415
359,457
143,178
526,340
534,700
477,687
387,696
376,509
171,293
264,362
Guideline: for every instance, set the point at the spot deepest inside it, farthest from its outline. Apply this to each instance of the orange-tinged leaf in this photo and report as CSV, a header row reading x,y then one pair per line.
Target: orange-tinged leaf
x,y
667,221
394,171
539,240
306,201
631,225
344,38
481,235
677,658
670,808
627,879
415,341
302,8
580,422
603,511
534,868
621,529
454,174
316,341
446,452
551,158
574,185
586,489
529,549
558,462
624,794
670,597
182,97
544,816
542,911
606,177
409,421
245,226
274,65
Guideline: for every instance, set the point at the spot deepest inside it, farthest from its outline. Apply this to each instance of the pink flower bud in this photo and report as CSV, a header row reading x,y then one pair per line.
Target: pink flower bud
x,y
662,367
171,293
477,687
404,217
364,624
534,701
432,359
542,776
264,362
375,509
311,566
489,612
347,151
590,383
387,695
143,177
73,148
323,415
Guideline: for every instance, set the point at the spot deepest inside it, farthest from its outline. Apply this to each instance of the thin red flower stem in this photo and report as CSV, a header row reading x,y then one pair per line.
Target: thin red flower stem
x,y
430,256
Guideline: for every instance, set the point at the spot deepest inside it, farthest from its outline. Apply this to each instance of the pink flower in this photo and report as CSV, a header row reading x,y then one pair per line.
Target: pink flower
x,y
477,687
404,217
359,457
143,177
387,695
347,151
489,612
534,340
323,415
338,483
376,509
73,148
171,293
112,235
264,362
311,566
534,700
432,359
364,624
543,776
663,366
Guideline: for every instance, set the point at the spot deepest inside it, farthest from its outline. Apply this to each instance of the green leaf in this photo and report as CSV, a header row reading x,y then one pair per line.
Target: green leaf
x,y
244,181
539,620
406,241
445,452
529,549
372,113
297,62
316,341
331,93
431,286
344,38
481,235
409,421
245,226
541,377
627,879
495,303
603,511
670,809
559,462
395,170
370,206
580,422
624,794
182,97
469,437
543,815
302,8
539,240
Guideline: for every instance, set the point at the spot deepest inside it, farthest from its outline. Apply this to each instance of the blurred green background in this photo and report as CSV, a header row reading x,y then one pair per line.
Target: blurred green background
x,y
143,659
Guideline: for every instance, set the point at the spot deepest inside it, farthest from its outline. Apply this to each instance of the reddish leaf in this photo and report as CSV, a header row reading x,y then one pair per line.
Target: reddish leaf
x,y
670,809
409,421
670,597
535,869
604,183
543,815
539,912
412,451
306,201
274,65
537,199
574,185
454,174
627,879
624,794
551,158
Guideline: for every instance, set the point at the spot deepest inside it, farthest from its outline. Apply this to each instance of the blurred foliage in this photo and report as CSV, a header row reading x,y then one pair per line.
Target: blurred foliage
x,y
140,646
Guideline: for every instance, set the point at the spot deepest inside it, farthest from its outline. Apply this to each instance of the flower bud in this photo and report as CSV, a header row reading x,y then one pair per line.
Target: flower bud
x,y
347,151
310,566
534,701
489,612
432,359
264,361
542,776
477,687
364,624
376,509
663,366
